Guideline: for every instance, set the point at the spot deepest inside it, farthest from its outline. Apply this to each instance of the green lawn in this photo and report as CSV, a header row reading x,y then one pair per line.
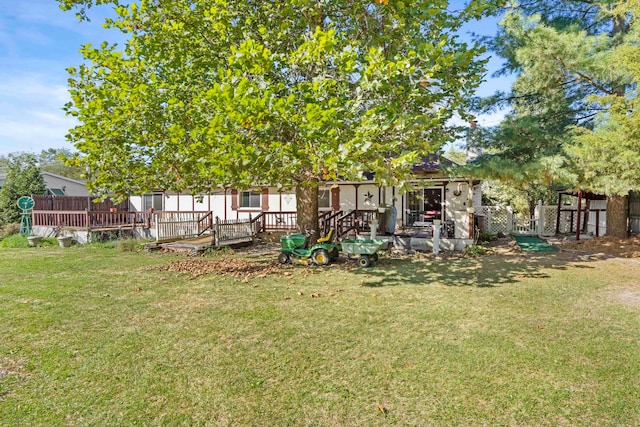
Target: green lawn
x,y
100,337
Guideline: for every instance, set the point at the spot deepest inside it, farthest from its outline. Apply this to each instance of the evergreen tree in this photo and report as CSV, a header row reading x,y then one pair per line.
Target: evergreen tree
x,y
23,179
563,54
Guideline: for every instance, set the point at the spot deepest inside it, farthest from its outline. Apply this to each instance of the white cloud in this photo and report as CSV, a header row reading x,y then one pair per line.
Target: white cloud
x,y
34,133
31,116
33,88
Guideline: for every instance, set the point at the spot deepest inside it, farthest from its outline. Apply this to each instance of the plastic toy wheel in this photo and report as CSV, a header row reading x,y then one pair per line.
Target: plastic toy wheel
x,y
335,253
364,261
284,258
375,257
320,257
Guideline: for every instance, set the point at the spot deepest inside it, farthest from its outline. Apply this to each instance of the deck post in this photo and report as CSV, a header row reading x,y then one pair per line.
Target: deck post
x,y
216,233
436,235
157,227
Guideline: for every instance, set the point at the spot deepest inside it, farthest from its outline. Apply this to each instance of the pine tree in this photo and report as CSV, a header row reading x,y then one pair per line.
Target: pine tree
x,y
563,55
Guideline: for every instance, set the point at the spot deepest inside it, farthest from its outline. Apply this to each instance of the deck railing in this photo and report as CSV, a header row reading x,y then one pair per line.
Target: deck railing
x,y
274,221
90,219
176,225
232,230
328,220
170,224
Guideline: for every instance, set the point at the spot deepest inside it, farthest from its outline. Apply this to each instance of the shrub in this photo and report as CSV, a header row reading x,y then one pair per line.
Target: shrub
x,y
486,237
14,241
48,241
128,245
9,230
475,250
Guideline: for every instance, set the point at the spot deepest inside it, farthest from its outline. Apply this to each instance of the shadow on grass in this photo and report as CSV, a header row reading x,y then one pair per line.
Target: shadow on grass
x,y
484,272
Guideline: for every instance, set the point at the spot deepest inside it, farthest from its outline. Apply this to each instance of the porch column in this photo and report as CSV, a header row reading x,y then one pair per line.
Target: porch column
x,y
265,199
335,198
471,210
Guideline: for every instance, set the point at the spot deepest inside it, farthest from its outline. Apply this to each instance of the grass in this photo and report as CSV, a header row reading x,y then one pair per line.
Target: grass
x,y
95,336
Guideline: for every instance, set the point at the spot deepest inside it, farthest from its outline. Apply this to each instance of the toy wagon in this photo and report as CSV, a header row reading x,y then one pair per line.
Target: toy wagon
x,y
367,249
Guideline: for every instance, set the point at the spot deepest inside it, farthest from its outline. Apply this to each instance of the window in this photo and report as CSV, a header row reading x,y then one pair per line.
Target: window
x,y
152,200
250,199
324,198
55,192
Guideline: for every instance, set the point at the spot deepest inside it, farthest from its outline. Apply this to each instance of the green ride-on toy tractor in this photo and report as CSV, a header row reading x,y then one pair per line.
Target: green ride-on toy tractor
x,y
294,249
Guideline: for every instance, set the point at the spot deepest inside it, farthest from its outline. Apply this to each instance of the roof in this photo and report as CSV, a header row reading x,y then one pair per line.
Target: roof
x,y
54,175
585,195
3,177
433,163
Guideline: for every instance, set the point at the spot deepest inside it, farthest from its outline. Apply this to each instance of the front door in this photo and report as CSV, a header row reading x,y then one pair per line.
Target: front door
x,y
432,204
424,206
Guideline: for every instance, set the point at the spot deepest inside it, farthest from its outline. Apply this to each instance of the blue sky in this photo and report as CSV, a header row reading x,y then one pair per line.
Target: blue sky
x,y
38,42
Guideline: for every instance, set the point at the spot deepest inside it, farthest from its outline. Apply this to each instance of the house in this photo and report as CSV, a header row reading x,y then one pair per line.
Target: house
x,y
58,185
438,196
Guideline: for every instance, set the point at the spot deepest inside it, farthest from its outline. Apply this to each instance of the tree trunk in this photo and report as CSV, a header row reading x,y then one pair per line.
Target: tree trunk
x,y
532,207
307,209
617,212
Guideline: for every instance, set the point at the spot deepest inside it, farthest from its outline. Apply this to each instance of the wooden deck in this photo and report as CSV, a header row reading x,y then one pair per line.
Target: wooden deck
x,y
185,225
195,245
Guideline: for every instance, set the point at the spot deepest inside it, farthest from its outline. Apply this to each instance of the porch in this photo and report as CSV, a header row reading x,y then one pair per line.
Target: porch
x,y
175,225
196,230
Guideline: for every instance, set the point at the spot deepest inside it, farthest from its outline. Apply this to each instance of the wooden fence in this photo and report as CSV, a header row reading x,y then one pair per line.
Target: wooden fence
x,y
90,219
75,203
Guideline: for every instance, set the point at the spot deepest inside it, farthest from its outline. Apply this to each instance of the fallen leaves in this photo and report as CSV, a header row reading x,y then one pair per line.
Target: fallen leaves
x,y
241,269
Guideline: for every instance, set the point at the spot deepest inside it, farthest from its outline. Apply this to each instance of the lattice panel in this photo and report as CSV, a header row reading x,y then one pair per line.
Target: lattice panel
x,y
548,216
497,219
567,222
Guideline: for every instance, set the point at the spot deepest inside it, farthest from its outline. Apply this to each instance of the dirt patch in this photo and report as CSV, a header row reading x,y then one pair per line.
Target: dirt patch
x,y
612,246
12,372
503,246
630,297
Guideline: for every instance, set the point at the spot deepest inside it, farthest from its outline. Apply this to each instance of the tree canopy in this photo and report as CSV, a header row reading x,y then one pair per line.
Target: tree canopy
x,y
50,160
209,93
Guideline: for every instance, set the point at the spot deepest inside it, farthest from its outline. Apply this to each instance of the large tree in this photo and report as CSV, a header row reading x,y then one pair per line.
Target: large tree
x,y
23,179
561,52
209,93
